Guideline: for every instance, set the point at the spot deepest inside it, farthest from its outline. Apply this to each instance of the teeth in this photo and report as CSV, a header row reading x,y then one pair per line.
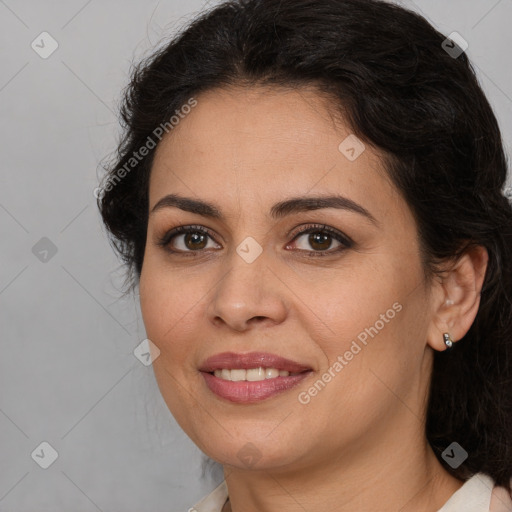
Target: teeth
x,y
271,373
237,375
254,374
251,375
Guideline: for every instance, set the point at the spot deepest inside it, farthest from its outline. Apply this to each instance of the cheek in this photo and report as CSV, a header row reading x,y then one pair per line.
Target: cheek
x,y
164,304
173,303
152,299
166,307
373,321
360,305
371,369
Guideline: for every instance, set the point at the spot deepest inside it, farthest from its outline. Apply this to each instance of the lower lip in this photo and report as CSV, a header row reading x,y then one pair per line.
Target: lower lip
x,y
248,392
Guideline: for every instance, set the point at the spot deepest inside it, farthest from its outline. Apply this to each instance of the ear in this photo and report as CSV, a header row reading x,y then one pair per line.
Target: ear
x,y
455,297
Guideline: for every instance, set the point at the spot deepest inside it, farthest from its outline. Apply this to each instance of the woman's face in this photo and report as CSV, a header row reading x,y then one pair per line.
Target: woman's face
x,y
354,310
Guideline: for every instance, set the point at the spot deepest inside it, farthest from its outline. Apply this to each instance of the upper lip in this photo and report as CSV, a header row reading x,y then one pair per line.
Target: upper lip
x,y
231,360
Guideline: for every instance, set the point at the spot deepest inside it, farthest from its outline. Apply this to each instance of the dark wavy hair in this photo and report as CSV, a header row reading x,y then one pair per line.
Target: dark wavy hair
x,y
387,73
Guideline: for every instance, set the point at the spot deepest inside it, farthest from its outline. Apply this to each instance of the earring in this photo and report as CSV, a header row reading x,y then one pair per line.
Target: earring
x,y
448,341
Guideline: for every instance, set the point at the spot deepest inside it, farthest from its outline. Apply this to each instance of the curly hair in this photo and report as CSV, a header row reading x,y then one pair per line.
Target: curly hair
x,y
387,71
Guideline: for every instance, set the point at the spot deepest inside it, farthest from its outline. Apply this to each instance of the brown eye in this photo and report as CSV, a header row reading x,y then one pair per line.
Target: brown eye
x,y
320,239
186,239
195,241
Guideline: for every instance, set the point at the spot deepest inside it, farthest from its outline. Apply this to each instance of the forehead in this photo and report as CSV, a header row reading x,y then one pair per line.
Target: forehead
x,y
245,120
247,143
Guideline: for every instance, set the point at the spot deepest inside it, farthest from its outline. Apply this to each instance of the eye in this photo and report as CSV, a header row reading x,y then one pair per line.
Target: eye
x,y
320,239
193,239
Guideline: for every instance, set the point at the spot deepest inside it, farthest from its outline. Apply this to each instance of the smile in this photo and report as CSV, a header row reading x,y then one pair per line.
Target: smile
x,y
252,374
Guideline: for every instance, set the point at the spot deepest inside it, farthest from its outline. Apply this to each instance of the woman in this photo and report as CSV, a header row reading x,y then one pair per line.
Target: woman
x,y
309,196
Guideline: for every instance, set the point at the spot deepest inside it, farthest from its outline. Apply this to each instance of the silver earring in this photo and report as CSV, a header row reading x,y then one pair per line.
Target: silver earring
x,y
448,341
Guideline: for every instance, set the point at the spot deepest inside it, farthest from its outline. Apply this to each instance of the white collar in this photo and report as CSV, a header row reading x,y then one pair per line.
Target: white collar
x,y
473,496
214,501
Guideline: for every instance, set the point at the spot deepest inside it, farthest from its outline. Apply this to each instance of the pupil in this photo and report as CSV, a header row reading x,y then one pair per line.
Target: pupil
x,y
194,237
319,239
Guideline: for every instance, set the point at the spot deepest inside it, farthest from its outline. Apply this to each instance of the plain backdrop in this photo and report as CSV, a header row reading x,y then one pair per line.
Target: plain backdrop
x,y
68,374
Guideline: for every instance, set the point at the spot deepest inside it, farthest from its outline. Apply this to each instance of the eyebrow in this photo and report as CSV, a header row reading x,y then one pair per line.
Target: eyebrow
x,y
278,211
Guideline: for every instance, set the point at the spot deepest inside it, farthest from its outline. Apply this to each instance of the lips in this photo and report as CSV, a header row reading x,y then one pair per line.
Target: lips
x,y
245,392
232,360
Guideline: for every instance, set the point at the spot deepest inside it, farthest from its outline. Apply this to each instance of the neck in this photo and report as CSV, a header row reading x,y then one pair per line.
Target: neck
x,y
399,473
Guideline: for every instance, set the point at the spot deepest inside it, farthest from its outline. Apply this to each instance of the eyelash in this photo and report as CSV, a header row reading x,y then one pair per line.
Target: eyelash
x,y
346,242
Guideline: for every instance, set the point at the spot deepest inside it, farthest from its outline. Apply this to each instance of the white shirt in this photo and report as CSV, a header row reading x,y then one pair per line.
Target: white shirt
x,y
474,496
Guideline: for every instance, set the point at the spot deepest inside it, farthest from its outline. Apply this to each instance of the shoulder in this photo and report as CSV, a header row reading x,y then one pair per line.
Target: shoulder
x,y
500,500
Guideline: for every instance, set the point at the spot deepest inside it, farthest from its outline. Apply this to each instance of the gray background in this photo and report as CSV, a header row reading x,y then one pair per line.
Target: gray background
x,y
68,375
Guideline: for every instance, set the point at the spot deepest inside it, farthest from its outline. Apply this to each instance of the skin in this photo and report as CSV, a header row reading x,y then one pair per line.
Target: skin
x,y
359,444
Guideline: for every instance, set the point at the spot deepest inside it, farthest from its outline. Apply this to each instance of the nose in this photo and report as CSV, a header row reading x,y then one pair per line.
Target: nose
x,y
247,294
